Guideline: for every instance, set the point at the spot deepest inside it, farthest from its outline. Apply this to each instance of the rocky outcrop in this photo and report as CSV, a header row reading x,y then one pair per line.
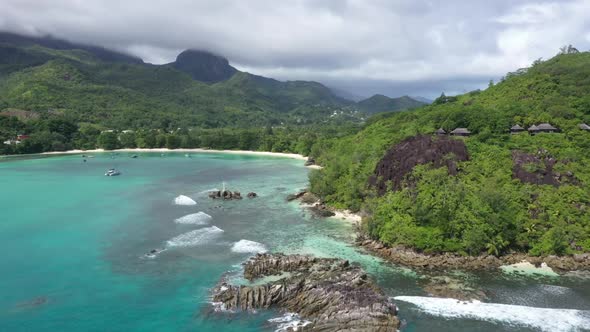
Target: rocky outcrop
x,y
252,195
225,194
448,287
401,159
331,293
409,257
320,210
293,197
204,66
538,168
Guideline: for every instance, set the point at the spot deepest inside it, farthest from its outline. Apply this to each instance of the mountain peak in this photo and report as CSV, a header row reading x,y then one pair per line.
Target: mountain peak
x,y
381,103
204,66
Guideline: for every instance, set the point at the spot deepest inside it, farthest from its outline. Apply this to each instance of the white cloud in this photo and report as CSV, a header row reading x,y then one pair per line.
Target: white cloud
x,y
456,43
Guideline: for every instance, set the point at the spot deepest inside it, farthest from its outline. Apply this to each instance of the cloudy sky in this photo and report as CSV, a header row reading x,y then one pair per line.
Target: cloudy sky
x,y
393,47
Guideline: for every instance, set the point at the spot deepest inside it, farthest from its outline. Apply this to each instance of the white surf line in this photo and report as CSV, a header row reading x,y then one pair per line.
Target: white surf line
x,y
543,319
247,247
184,200
199,218
195,238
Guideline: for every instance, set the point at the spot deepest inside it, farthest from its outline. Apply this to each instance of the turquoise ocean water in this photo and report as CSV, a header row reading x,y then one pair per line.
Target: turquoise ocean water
x,y
73,246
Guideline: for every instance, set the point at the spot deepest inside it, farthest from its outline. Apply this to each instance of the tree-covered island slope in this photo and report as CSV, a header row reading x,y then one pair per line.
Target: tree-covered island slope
x,y
507,193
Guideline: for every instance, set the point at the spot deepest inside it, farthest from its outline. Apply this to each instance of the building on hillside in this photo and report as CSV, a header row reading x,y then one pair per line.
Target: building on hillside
x,y
21,137
516,129
585,127
440,132
460,132
542,128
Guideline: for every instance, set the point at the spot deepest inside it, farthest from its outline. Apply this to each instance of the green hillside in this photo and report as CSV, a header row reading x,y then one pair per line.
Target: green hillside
x,y
514,193
381,103
90,84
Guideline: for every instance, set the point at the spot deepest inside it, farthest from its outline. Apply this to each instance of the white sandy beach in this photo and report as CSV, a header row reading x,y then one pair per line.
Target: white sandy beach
x,y
243,152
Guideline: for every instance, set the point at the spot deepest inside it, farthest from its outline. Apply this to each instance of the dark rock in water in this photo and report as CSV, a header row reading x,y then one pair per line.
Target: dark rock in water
x,y
293,197
309,198
321,211
252,195
309,162
447,287
331,293
225,194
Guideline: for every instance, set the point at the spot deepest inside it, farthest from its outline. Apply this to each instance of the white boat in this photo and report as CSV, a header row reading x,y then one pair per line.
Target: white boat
x,y
112,172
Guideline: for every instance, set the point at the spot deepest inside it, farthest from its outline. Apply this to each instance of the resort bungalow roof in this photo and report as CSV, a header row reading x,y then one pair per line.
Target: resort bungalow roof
x,y
542,128
545,126
440,131
584,126
516,128
461,131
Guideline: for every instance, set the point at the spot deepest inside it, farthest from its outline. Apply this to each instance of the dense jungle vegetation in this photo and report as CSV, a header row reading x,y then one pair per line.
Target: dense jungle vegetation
x,y
485,208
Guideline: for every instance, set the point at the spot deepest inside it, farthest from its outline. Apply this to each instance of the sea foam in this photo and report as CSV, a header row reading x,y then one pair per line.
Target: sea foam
x,y
196,237
247,246
289,322
543,319
199,218
184,200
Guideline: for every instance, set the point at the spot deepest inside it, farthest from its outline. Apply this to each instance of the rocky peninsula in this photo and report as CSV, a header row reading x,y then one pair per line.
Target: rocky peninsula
x,y
332,294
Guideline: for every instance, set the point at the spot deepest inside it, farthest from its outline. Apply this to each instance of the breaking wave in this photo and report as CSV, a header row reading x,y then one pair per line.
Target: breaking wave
x,y
289,322
184,200
543,319
199,218
247,246
208,191
196,237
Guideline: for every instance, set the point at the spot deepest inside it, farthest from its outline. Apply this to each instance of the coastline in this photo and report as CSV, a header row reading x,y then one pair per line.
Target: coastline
x,y
516,262
348,216
195,150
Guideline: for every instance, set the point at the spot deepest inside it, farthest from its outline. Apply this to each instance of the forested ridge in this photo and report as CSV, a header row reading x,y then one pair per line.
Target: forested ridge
x,y
514,192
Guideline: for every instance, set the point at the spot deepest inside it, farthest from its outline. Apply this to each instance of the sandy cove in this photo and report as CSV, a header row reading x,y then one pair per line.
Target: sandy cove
x,y
242,152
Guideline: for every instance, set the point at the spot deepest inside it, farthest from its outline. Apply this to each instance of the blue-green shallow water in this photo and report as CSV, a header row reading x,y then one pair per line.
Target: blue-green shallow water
x,y
73,241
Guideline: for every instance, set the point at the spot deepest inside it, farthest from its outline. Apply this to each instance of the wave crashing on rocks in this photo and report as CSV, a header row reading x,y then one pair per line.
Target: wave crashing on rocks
x,y
184,200
247,247
289,322
196,237
199,218
330,293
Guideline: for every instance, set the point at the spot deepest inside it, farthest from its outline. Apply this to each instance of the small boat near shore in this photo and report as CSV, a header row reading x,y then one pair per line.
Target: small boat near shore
x,y
112,172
